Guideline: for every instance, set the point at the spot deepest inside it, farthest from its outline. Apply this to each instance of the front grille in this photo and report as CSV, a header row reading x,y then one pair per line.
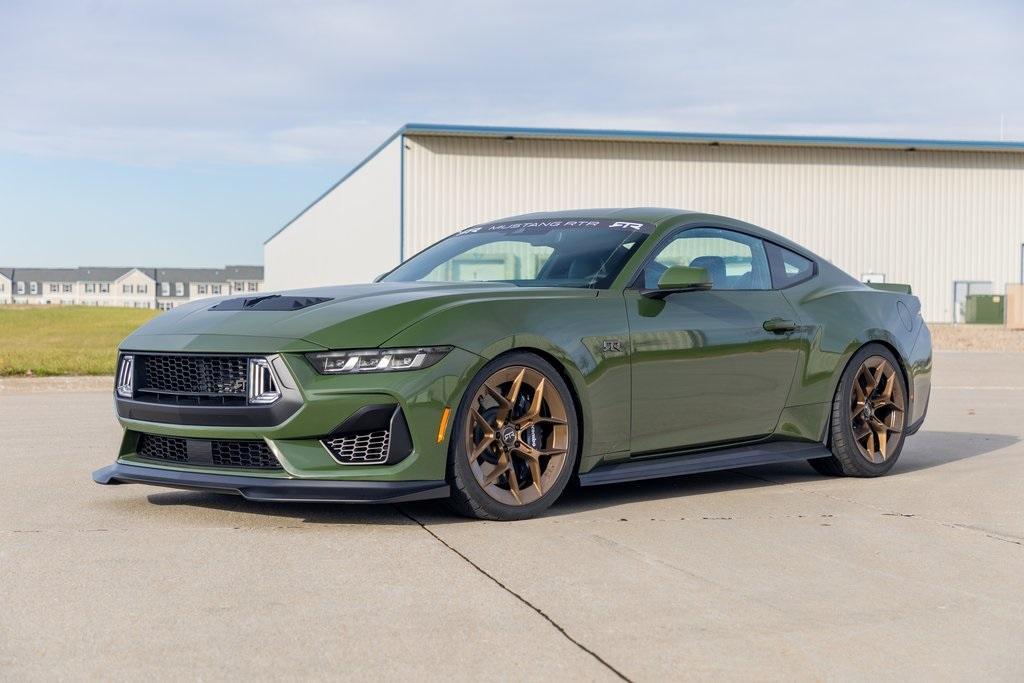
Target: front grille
x,y
192,379
365,448
252,455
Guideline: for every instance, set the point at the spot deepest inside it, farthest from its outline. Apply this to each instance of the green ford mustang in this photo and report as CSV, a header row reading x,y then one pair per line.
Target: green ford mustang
x,y
512,357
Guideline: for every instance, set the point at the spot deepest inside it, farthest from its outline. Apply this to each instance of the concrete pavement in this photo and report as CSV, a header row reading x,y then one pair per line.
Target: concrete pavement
x,y
767,573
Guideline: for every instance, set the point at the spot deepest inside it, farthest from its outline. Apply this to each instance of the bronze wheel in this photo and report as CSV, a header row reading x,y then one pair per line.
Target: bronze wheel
x,y
869,411
877,408
514,447
517,438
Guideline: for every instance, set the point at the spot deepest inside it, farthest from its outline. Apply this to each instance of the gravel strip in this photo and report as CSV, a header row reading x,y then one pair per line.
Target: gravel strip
x,y
949,337
38,385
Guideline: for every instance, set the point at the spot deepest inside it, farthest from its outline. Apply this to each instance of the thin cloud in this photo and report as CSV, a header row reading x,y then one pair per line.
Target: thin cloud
x,y
233,82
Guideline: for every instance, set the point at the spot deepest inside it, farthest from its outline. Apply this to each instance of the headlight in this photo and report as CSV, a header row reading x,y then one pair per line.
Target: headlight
x,y
376,360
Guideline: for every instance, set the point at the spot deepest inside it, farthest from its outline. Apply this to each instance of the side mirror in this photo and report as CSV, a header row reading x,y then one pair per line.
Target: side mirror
x,y
680,279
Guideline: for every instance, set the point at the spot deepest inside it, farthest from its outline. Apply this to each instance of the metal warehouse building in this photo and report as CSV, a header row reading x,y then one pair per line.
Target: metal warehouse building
x,y
945,216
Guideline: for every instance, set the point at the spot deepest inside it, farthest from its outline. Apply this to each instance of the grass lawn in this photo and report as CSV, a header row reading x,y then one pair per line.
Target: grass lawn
x,y
64,340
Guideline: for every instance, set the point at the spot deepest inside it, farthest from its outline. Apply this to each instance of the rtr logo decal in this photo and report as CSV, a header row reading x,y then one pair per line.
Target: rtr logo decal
x,y
611,346
624,224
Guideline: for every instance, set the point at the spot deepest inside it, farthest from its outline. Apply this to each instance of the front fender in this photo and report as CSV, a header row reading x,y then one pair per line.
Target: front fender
x,y
571,331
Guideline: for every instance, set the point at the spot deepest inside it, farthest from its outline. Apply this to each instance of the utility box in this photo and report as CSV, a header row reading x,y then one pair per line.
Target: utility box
x,y
984,309
1015,307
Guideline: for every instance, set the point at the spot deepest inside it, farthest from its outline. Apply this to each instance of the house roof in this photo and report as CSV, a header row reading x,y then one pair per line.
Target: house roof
x,y
190,275
45,275
513,132
104,274
209,274
111,274
244,272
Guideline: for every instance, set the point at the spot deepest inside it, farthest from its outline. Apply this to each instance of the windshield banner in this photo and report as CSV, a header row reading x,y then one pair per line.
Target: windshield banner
x,y
541,225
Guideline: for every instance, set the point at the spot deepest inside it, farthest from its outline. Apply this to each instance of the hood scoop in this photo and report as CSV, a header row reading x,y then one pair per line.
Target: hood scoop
x,y
271,302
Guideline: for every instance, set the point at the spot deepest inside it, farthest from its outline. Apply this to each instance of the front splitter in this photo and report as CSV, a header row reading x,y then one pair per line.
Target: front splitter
x,y
275,490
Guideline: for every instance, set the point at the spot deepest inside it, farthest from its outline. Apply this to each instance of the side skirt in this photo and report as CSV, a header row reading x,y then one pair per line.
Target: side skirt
x,y
692,463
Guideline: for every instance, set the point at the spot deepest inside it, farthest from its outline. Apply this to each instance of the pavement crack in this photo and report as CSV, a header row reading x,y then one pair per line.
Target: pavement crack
x,y
558,627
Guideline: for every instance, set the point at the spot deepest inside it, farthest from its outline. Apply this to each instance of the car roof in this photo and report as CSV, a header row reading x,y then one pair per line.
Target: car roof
x,y
664,218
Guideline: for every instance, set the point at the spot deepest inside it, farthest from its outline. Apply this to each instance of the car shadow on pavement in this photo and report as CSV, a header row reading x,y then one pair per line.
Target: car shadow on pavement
x,y
924,451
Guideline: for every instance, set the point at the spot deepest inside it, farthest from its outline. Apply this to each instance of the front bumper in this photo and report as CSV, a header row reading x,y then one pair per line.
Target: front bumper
x,y
327,402
275,490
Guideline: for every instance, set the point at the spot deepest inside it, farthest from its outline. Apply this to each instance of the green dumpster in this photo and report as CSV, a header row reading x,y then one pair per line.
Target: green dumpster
x,y
984,309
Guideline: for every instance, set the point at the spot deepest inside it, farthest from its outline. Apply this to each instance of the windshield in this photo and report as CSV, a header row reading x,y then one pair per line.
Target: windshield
x,y
537,253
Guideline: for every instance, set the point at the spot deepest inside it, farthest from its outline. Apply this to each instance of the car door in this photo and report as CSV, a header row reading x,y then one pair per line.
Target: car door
x,y
704,367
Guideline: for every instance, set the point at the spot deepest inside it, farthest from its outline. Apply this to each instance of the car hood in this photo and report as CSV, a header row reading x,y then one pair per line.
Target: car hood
x,y
352,316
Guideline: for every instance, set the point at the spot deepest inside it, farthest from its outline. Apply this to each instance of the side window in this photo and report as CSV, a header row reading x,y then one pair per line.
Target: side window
x,y
732,259
788,268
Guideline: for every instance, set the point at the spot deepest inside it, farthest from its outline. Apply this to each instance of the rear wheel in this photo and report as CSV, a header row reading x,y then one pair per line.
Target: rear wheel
x,y
514,448
868,416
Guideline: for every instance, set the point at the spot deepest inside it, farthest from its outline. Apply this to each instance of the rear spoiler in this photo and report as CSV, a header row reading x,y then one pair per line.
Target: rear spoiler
x,y
890,287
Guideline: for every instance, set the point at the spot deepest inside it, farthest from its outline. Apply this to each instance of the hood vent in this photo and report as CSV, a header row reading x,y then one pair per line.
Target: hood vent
x,y
272,302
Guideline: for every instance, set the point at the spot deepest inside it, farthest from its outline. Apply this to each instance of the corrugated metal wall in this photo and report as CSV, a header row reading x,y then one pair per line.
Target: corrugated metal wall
x,y
927,218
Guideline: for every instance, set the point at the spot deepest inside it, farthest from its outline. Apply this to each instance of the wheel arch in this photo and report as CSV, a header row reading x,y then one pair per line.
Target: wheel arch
x,y
563,371
838,378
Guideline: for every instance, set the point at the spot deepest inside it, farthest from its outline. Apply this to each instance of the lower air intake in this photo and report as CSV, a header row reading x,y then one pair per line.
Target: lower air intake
x,y
249,455
366,448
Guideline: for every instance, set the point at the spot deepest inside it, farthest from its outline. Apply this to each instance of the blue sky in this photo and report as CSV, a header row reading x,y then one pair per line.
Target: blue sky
x,y
185,133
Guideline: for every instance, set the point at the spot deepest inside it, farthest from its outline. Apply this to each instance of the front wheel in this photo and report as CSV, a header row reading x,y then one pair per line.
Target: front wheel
x,y
868,416
515,440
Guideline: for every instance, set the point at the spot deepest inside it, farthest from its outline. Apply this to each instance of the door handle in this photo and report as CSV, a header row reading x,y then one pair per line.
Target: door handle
x,y
779,326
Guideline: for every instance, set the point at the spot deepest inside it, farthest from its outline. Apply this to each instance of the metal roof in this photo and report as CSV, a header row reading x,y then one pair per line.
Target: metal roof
x,y
907,144
513,132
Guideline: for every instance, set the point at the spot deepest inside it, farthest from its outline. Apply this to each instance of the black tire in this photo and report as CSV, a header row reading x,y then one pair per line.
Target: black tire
x,y
847,457
468,496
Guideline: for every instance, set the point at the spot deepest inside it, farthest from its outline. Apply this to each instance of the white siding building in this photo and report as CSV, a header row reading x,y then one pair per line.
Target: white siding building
x,y
161,288
946,217
5,285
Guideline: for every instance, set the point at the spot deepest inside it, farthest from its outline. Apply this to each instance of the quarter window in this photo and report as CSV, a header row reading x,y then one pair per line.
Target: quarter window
x,y
733,260
788,268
